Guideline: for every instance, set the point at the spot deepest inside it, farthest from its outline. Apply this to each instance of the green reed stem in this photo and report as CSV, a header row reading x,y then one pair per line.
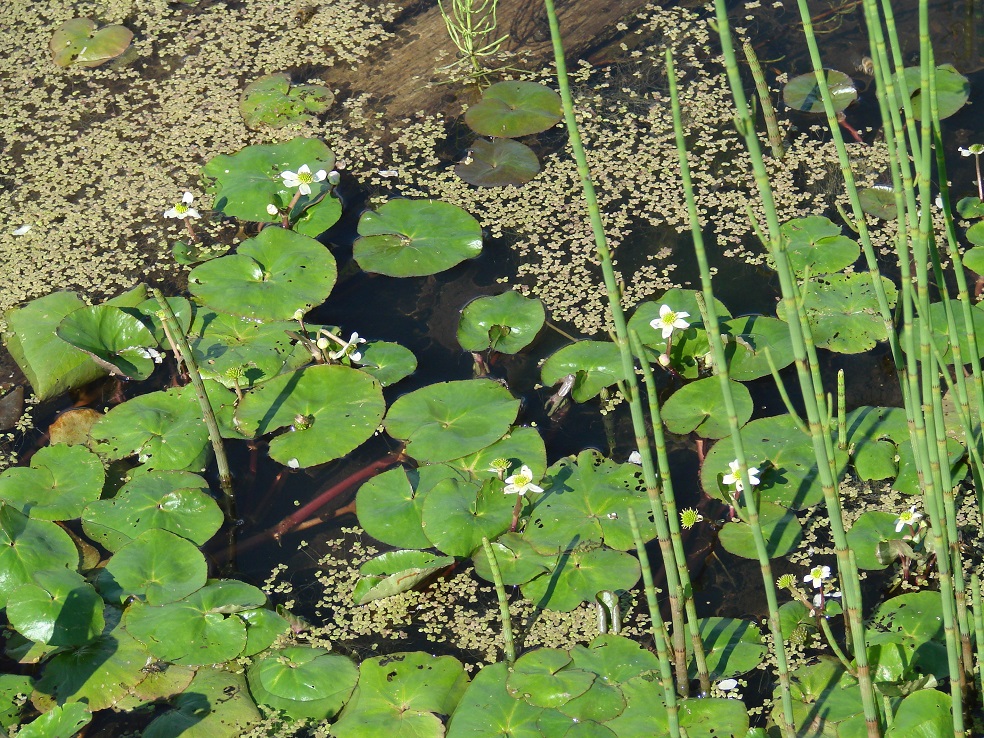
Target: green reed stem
x,y
975,591
500,594
179,345
781,386
713,328
765,98
676,593
659,630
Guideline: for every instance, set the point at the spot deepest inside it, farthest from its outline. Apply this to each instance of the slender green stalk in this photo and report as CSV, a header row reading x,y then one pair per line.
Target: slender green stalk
x,y
613,294
975,591
765,98
781,386
659,630
181,348
713,329
500,593
841,412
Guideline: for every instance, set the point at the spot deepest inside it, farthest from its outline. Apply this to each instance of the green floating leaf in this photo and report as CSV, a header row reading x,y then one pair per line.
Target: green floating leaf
x,y
193,631
506,323
973,259
602,702
388,362
340,408
614,658
272,101
815,243
487,710
28,546
414,238
449,420
396,571
156,565
115,340
390,504
577,576
803,93
456,515
868,532
951,88
62,721
522,446
313,219
78,42
699,407
594,364
51,365
784,456
518,560
970,207
498,163
164,430
245,183
825,697
927,712
878,201
916,615
588,500
707,717
941,336
263,627
514,109
780,528
59,608
541,678
270,277
303,682
99,673
746,339
147,311
215,705
59,483
13,689
402,694
732,646
842,310
236,350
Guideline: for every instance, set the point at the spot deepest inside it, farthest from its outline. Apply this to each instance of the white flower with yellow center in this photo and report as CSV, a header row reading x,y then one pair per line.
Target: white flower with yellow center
x,y
183,209
910,518
303,178
670,320
817,575
349,349
520,484
735,478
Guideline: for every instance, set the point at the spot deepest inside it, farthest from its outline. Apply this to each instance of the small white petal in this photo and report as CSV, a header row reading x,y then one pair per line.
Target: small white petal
x,y
294,464
304,168
22,230
726,685
635,458
304,188
188,198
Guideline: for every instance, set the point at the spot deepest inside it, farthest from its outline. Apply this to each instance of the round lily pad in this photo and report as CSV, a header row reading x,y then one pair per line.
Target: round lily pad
x,y
879,202
456,515
449,420
816,243
314,218
164,430
147,311
940,335
340,408
59,608
780,528
175,501
952,90
842,311
246,182
868,531
156,565
488,711
394,572
60,482
414,238
513,109
61,721
506,323
803,93
388,362
973,259
274,102
705,717
216,704
498,163
518,560
263,627
303,682
201,628
80,42
732,647
28,546
522,446
594,364
614,658
699,407
970,207
390,504
270,277
577,576
115,340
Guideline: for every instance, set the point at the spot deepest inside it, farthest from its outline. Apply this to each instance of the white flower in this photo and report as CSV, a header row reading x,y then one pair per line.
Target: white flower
x,y
972,150
183,209
349,349
22,230
520,484
272,209
909,518
735,478
388,173
635,458
817,575
939,201
668,320
726,685
303,178
819,598
294,464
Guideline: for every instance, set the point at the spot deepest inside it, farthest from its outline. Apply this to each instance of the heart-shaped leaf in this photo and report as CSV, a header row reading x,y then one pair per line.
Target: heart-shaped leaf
x,y
577,576
456,515
594,364
272,101
732,646
216,704
506,323
513,109
390,504
803,93
951,88
77,41
868,531
699,407
815,243
878,201
522,446
156,565
394,572
516,557
414,238
117,341
62,721
498,163
487,710
388,362
57,486
780,528
28,546
303,682
541,678
270,277
58,608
